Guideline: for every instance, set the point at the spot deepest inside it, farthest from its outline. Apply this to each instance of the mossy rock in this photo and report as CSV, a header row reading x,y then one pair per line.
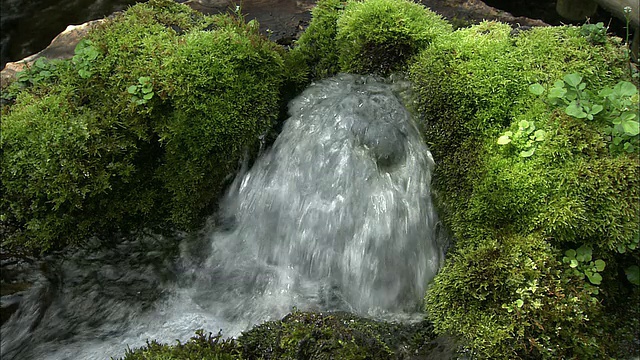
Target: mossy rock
x,y
312,336
513,217
143,128
366,37
380,36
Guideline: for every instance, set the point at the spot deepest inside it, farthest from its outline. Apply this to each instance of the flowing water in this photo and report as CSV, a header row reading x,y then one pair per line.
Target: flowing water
x,y
336,215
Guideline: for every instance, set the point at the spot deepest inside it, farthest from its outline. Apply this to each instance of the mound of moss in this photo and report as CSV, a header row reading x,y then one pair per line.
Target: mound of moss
x,y
144,126
544,213
313,336
366,37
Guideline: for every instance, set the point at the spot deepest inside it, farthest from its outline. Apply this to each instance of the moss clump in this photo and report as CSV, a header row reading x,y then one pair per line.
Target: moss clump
x,y
201,346
86,152
313,336
316,49
504,289
366,37
379,36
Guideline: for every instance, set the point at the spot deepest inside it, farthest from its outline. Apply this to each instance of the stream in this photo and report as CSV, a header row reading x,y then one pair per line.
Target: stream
x,y
335,216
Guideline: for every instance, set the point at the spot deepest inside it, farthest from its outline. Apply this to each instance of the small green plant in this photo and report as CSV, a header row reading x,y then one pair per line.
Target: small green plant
x,y
627,17
85,54
41,70
580,260
623,128
617,107
570,92
527,137
633,274
595,33
142,92
635,243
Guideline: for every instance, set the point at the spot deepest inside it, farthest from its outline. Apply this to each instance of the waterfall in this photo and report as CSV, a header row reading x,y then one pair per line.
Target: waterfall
x,y
336,215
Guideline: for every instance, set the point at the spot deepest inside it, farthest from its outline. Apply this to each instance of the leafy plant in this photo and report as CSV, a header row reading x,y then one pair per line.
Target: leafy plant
x,y
580,260
623,128
633,274
527,135
596,33
617,107
85,55
40,71
635,243
142,92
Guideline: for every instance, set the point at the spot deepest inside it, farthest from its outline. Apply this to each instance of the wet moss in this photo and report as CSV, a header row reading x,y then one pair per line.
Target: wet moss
x,y
143,128
366,37
504,289
312,336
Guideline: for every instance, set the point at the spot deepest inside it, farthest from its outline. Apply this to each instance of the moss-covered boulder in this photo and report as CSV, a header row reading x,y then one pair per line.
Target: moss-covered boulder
x,y
366,37
543,212
145,124
313,336
379,36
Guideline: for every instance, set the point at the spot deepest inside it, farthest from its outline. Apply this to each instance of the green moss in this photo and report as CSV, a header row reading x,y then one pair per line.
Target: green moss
x,y
477,294
513,217
315,51
308,335
379,36
366,37
199,347
80,157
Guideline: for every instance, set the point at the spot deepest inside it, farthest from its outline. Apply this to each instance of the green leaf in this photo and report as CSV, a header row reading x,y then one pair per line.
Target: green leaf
x,y
633,274
523,124
540,135
600,264
597,108
631,128
557,92
573,79
595,279
148,96
629,147
527,153
41,63
570,253
625,88
504,140
573,263
584,252
575,110
536,89
84,73
132,89
519,303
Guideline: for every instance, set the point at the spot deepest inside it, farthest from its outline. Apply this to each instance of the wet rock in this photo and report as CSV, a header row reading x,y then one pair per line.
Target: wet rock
x,y
18,274
467,12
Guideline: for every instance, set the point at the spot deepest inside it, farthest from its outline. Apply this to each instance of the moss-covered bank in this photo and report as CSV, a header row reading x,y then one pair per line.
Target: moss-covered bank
x,y
516,206
313,336
143,127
